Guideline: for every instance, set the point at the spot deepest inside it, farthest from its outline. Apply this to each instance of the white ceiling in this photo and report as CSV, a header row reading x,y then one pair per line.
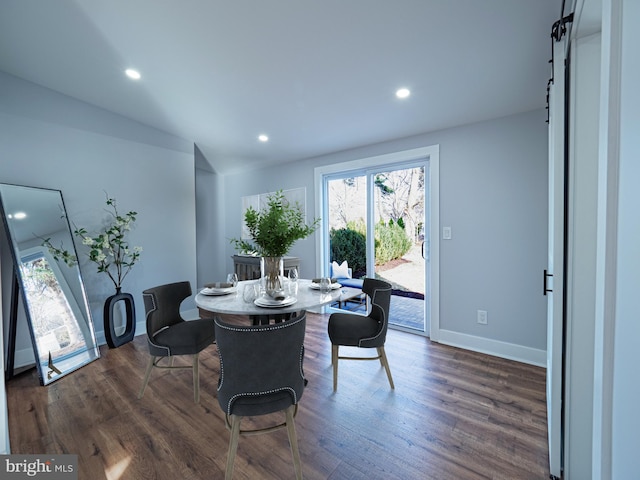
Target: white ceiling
x,y
316,76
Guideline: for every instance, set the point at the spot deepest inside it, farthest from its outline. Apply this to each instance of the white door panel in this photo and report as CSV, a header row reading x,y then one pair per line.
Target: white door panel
x,y
555,264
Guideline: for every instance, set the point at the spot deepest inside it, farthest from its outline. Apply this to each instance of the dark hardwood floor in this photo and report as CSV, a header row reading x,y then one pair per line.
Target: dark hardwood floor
x,y
454,415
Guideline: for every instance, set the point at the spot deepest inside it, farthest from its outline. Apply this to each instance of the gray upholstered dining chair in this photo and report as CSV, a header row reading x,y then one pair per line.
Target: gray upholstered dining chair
x,y
169,335
261,373
355,330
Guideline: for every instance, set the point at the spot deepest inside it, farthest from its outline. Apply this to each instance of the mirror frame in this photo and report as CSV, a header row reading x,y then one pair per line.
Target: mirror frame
x,y
77,307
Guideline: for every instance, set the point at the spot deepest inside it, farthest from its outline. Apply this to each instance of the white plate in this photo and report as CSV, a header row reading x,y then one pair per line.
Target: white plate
x,y
316,286
218,291
271,303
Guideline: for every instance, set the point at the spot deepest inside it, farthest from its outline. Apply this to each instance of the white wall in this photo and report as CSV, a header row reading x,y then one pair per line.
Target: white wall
x,y
50,140
626,382
493,184
581,268
212,264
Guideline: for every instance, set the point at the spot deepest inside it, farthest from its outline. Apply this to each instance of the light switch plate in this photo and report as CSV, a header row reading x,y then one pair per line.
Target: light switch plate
x,y
446,233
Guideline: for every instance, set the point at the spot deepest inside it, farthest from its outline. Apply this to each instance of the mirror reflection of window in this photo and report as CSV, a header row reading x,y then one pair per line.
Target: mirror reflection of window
x,y
52,291
55,324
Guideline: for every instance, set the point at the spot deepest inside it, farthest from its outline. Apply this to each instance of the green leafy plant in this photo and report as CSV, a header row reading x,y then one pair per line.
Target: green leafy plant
x,y
274,229
109,248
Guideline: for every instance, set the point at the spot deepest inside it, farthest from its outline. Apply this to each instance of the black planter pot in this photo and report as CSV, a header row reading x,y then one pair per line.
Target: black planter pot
x,y
114,340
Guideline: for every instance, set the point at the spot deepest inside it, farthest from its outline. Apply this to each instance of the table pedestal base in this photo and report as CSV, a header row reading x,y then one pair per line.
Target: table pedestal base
x,y
277,318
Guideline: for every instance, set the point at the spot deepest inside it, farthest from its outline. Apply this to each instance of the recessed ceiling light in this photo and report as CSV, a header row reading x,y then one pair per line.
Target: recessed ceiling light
x,y
263,138
133,74
18,215
403,92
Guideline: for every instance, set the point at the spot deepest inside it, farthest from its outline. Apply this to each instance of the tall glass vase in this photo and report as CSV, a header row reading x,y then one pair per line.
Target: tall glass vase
x,y
271,274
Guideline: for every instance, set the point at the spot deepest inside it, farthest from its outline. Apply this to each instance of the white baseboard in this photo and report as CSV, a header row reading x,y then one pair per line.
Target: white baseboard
x,y
141,328
510,351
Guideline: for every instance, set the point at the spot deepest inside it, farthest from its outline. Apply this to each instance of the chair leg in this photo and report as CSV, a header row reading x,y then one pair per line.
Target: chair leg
x,y
196,379
385,364
233,446
334,361
293,441
147,374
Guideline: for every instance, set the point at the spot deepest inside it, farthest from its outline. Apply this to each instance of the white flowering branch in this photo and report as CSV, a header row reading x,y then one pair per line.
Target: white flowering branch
x,y
109,249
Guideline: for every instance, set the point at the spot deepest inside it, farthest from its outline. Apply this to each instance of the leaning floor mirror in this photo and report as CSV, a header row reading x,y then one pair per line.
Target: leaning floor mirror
x,y
51,287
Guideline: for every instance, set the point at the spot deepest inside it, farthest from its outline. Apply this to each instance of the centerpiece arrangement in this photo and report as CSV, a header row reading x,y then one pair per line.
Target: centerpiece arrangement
x,y
273,230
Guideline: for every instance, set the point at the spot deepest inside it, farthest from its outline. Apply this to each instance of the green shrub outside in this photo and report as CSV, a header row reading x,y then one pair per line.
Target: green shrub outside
x,y
391,242
349,245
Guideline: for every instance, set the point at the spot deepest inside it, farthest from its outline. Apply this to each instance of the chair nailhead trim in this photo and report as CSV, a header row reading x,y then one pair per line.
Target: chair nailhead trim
x,y
150,337
265,328
255,394
384,316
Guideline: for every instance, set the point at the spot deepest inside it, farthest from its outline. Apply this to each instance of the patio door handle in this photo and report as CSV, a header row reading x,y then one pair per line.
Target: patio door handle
x,y
545,288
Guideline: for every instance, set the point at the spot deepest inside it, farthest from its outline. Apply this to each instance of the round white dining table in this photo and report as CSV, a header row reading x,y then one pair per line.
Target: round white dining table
x,y
234,303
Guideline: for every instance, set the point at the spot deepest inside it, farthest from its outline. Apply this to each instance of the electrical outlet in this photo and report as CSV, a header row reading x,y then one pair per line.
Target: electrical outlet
x,y
482,317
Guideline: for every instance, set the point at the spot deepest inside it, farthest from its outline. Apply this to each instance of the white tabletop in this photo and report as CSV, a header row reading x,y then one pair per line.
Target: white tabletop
x,y
234,304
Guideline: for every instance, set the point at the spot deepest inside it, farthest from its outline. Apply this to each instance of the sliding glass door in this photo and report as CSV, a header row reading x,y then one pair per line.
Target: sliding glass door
x,y
375,220
399,242
346,206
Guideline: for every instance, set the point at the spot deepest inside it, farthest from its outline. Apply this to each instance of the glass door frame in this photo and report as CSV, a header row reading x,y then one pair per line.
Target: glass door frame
x,y
427,157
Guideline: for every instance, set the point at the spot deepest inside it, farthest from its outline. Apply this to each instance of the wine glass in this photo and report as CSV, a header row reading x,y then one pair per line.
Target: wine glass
x,y
232,278
325,285
292,286
293,274
250,292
